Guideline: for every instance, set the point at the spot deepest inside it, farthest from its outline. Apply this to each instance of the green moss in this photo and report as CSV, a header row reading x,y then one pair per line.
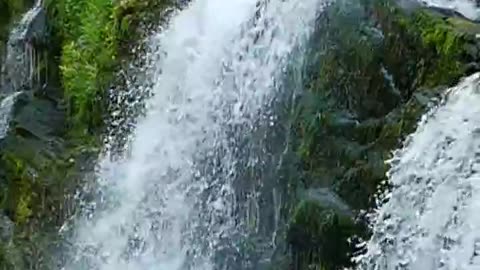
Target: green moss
x,y
87,30
439,36
43,160
318,237
19,201
5,260
95,35
435,44
371,71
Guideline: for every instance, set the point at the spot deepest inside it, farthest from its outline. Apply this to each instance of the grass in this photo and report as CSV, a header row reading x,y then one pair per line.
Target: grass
x,y
88,34
93,35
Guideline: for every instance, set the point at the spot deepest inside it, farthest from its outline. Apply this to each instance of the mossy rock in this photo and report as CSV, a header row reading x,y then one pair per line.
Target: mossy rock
x,y
364,90
373,69
38,179
55,130
319,236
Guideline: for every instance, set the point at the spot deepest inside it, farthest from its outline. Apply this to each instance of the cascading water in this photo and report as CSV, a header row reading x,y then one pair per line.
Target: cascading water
x,y
20,63
431,218
20,68
466,7
171,202
6,107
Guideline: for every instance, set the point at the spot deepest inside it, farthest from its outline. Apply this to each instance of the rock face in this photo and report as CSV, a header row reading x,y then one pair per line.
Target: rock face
x,y
36,177
26,51
375,66
53,124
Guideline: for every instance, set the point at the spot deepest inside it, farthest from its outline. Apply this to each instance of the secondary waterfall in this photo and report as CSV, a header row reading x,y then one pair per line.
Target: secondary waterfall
x,y
431,218
22,57
170,203
468,8
19,67
6,107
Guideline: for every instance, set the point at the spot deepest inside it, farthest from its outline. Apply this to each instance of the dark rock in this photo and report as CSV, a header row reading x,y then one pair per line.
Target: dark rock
x,y
471,50
472,68
317,230
6,229
365,92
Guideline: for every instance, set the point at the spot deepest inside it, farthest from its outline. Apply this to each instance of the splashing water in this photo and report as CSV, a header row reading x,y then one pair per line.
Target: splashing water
x,y
6,108
170,202
20,67
468,8
431,218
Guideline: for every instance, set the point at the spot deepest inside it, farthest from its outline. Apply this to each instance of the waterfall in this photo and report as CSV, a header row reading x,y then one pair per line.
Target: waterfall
x,y
19,68
431,218
467,8
6,107
22,58
171,202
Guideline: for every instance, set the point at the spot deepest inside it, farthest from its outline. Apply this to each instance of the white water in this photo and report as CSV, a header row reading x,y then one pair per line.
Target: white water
x,y
466,7
431,220
21,59
215,68
17,64
6,107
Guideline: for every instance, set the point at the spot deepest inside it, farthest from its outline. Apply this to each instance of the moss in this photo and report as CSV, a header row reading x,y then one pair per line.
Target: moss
x,y
440,37
370,74
44,160
11,9
95,36
352,107
434,43
20,189
5,261
87,32
318,237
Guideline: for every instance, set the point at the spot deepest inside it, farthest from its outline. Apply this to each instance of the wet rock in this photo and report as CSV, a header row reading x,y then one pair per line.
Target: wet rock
x,y
24,52
471,50
317,230
32,29
6,229
365,94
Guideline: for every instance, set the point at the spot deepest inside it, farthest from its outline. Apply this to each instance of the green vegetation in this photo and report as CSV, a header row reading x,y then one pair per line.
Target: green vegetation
x,y
55,133
318,236
87,32
437,41
94,35
373,67
446,43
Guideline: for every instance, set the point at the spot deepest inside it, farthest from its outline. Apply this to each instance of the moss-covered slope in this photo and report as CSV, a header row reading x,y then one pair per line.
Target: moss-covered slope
x,y
374,67
56,126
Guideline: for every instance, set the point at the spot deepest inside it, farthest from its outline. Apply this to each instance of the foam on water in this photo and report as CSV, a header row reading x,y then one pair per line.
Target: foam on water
x,y
431,219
